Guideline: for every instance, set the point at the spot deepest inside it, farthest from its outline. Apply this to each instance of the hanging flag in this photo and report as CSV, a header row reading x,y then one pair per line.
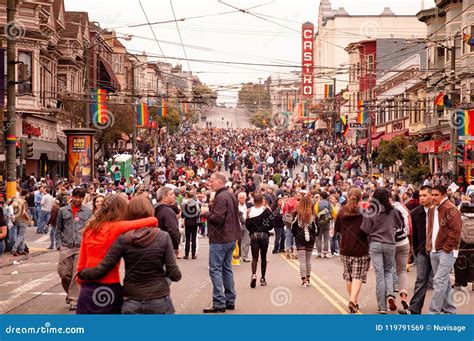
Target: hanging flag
x,y
328,90
468,39
290,105
300,110
465,121
305,109
162,110
143,119
439,99
362,113
343,119
99,107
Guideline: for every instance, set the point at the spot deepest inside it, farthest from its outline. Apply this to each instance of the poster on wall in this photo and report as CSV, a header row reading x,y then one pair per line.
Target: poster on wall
x,y
80,158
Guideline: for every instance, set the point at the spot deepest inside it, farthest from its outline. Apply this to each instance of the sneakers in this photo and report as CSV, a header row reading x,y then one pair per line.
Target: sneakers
x,y
391,303
383,312
263,282
304,282
253,281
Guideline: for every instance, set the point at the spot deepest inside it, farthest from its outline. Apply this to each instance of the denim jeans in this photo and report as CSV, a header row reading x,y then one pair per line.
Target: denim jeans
x,y
220,271
20,238
12,232
162,305
383,259
52,236
423,270
2,246
245,244
335,242
43,218
279,239
323,234
289,240
33,215
441,300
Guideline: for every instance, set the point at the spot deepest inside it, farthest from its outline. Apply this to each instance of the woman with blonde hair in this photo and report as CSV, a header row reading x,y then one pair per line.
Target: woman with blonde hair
x,y
304,230
354,247
100,233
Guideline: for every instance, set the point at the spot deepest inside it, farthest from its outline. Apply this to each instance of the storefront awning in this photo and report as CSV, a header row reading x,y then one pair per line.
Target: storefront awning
x,y
51,149
363,142
427,147
389,136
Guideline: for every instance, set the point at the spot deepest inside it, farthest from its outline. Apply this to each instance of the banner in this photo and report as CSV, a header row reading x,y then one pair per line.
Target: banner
x,y
362,113
465,124
328,91
142,115
162,109
80,158
99,107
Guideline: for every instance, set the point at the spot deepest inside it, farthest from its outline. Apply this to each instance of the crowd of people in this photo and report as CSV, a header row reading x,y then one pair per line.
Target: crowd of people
x,y
305,192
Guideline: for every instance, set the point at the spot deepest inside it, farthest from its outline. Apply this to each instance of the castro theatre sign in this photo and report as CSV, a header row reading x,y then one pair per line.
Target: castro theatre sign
x,y
308,59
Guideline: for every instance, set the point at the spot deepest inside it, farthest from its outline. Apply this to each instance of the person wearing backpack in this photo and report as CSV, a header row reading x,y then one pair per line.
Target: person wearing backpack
x,y
325,213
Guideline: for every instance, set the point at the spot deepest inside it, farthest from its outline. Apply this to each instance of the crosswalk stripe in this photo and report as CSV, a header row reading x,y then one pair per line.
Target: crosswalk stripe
x,y
42,239
325,294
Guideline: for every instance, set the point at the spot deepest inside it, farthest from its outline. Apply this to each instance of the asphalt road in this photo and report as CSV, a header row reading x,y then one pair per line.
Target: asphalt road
x,y
32,286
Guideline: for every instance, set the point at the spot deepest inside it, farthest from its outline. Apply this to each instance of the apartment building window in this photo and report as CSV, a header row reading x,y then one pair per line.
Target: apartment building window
x,y
370,62
440,52
61,82
25,73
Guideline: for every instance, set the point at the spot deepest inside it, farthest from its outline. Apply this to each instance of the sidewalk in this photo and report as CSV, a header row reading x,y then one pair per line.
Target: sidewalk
x,y
37,243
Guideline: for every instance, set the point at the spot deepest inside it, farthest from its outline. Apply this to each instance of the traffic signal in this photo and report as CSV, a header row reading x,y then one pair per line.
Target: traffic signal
x,y
18,149
460,151
469,153
29,149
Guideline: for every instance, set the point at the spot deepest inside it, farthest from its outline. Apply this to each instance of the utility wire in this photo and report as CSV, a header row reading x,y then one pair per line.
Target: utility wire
x,y
179,33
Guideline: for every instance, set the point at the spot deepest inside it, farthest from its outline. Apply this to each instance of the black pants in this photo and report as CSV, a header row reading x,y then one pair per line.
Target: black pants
x,y
191,235
279,239
259,246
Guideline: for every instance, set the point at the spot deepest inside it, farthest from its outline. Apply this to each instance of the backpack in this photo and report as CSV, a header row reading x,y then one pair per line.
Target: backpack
x,y
467,230
324,217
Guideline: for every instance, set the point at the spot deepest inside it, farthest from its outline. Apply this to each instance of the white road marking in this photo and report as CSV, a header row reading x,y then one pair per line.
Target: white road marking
x,y
14,294
48,293
43,239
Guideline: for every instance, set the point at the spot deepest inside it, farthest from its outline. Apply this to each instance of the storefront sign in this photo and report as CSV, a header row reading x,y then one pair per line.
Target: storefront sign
x,y
396,126
28,129
307,80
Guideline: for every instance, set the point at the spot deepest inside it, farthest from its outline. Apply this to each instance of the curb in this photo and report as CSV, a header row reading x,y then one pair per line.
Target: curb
x,y
12,259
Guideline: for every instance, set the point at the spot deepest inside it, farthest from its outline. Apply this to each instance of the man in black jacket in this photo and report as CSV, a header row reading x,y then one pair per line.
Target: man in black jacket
x,y
166,212
223,232
422,258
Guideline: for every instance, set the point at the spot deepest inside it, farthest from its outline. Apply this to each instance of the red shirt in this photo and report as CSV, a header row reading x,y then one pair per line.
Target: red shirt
x,y
75,209
94,246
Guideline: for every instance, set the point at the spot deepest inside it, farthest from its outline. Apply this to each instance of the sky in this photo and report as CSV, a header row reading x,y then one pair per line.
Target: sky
x,y
231,37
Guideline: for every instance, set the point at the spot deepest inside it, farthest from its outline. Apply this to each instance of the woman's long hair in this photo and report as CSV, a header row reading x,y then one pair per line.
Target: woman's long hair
x,y
353,198
304,210
114,208
139,207
381,198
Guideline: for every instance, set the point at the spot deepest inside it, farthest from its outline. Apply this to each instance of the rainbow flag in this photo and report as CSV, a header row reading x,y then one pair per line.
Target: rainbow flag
x,y
143,119
162,110
99,107
305,109
343,120
183,107
439,99
328,90
468,39
10,139
362,113
290,105
465,122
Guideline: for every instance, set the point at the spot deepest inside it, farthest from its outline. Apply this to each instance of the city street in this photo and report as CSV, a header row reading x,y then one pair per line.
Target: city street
x,y
33,287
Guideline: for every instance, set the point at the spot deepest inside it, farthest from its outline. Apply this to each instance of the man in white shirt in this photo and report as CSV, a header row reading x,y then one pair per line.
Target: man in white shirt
x,y
442,242
45,212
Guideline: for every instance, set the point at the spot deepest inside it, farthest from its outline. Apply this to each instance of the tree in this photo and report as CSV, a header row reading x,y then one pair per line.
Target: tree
x,y
412,166
253,97
390,151
262,119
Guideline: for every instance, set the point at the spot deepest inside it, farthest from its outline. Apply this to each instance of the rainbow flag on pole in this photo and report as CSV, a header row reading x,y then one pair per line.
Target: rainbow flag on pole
x,y
99,107
362,113
143,119
465,121
328,90
183,107
162,110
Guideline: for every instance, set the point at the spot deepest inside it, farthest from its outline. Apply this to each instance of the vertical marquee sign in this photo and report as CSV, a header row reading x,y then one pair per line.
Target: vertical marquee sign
x,y
307,86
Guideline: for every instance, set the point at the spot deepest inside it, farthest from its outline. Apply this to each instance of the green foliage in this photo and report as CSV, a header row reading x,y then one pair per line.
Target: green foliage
x,y
400,148
262,119
251,95
204,95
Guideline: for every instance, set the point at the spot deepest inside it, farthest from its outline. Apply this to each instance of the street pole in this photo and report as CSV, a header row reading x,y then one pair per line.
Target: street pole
x,y
369,131
334,113
10,141
453,135
134,135
86,85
